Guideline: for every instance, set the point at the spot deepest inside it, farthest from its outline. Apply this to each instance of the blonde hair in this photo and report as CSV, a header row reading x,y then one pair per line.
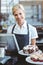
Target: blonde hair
x,y
16,7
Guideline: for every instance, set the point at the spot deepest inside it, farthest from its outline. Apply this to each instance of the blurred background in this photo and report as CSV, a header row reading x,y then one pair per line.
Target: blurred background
x,y
33,9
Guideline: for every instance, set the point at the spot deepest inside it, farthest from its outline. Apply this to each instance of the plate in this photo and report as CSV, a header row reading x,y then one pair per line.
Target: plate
x,y
32,62
25,54
22,53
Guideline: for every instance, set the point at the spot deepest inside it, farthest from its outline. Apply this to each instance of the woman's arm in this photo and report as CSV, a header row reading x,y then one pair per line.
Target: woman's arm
x,y
33,41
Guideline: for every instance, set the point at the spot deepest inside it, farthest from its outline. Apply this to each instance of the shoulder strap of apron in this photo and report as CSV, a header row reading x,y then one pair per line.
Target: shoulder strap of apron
x,y
28,28
28,31
13,28
15,25
15,38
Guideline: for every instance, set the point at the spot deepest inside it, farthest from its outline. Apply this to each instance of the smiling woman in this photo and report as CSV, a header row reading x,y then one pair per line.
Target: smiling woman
x,y
24,32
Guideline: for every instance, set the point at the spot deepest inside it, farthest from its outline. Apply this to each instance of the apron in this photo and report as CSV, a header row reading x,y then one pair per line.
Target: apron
x,y
22,40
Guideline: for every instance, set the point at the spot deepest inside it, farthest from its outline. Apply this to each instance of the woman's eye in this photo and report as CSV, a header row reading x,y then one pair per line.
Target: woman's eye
x,y
15,14
20,13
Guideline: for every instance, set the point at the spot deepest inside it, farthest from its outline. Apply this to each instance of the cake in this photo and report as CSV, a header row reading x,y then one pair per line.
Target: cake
x,y
37,57
41,57
30,49
34,57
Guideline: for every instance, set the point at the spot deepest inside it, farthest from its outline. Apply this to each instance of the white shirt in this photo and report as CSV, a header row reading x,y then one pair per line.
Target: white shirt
x,y
23,31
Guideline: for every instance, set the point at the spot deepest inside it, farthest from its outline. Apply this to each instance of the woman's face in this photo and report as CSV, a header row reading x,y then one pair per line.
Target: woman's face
x,y
19,16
